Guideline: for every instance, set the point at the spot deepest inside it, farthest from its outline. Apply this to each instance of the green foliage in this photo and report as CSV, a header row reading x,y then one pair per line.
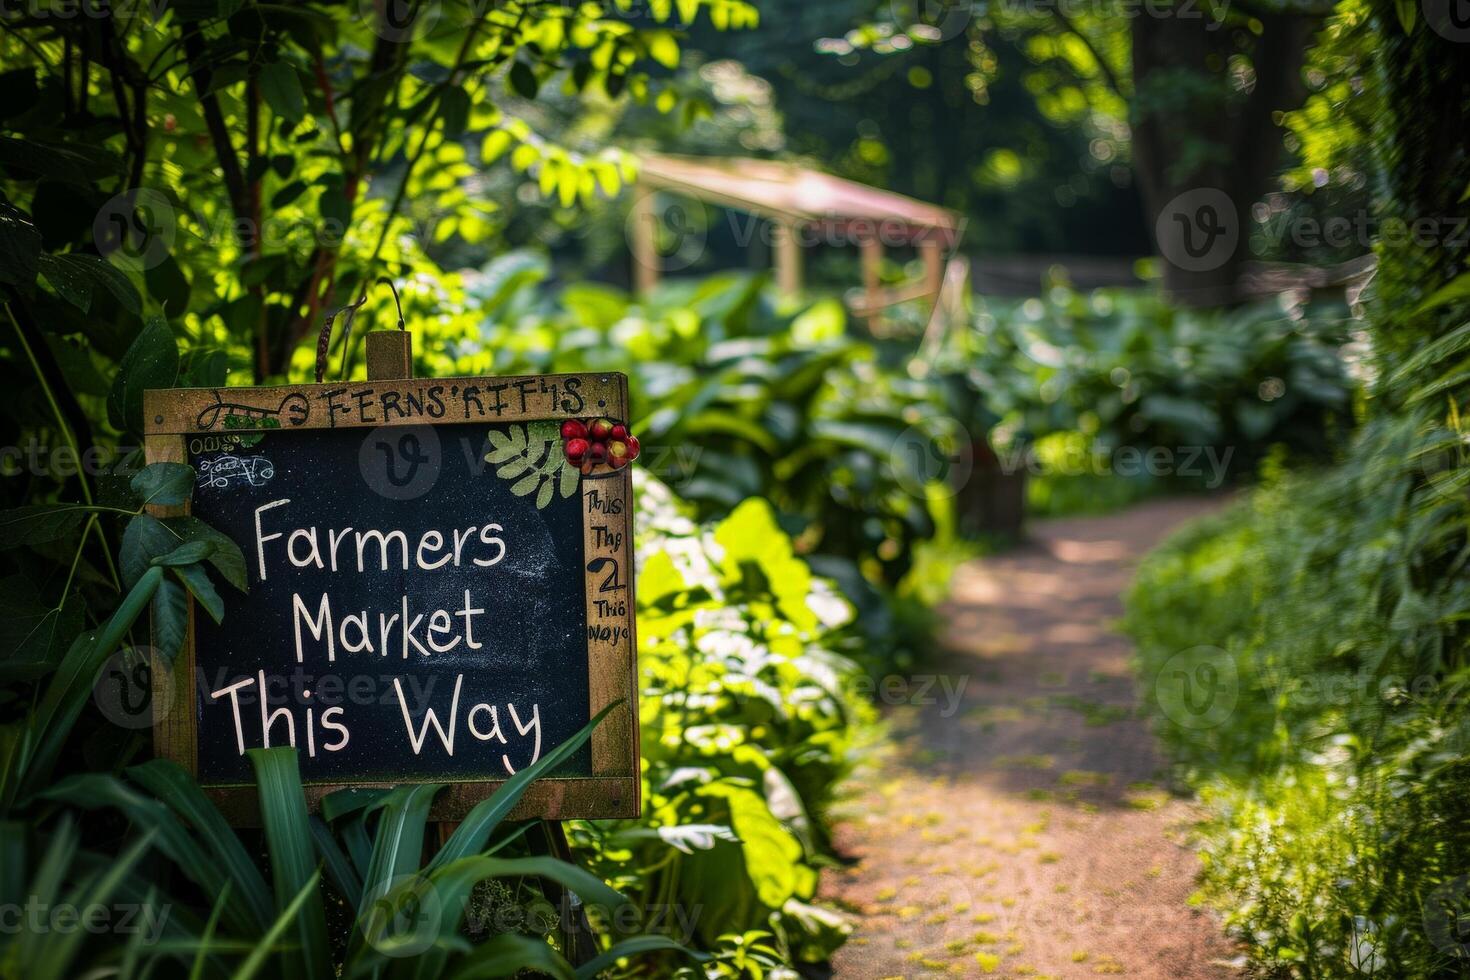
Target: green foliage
x,y
738,396
400,912
1338,774
1078,389
241,168
751,716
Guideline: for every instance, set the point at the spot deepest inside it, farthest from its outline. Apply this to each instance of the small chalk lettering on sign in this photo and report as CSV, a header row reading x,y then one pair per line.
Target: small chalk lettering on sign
x,y
221,472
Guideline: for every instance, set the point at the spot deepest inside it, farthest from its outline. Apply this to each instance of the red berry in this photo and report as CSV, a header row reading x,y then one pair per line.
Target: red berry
x,y
597,453
572,429
620,433
617,462
576,449
632,447
600,429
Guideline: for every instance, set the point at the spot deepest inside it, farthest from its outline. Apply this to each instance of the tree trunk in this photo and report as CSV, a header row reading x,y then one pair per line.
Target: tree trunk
x,y
1205,145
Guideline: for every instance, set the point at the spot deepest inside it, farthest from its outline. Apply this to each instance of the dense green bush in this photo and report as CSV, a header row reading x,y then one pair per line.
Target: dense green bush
x,y
1312,686
750,718
1081,387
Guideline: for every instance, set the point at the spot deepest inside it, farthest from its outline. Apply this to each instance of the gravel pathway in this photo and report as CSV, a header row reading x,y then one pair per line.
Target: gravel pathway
x,y
1022,827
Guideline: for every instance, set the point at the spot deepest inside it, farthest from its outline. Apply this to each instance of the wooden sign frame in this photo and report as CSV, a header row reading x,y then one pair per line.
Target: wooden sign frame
x,y
175,417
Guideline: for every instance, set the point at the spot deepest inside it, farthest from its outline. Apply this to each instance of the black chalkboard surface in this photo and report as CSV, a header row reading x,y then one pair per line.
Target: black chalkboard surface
x,y
437,594
473,666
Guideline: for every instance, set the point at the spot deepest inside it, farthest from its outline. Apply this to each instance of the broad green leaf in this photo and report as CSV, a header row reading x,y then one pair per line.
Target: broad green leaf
x,y
226,558
40,523
151,362
523,80
76,276
196,580
281,87
454,111
170,619
186,554
164,484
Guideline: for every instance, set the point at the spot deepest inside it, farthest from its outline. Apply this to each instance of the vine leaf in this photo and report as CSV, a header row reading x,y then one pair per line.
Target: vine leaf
x,y
531,456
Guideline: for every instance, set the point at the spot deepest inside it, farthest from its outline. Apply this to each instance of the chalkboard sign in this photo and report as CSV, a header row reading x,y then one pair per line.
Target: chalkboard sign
x,y
437,594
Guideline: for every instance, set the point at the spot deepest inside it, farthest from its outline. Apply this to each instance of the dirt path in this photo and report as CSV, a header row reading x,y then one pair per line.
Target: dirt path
x,y
1023,829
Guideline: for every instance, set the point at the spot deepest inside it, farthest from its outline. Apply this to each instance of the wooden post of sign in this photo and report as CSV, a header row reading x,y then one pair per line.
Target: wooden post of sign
x,y
389,355
390,358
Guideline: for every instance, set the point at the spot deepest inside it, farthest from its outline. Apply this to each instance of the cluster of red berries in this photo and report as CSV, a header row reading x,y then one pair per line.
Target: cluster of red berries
x,y
591,444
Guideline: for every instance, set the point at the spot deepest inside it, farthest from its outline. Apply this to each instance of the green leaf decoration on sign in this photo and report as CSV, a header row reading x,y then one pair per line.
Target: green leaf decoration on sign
x,y
531,456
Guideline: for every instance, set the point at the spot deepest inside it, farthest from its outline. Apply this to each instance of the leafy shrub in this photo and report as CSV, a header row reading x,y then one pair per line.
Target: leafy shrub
x,y
750,719
1337,772
1070,379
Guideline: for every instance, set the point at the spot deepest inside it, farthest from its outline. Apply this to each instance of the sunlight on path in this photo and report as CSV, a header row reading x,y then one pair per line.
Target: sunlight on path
x,y
1027,831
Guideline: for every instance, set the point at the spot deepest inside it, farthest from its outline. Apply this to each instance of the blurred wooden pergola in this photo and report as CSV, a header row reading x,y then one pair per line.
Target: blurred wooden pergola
x,y
806,207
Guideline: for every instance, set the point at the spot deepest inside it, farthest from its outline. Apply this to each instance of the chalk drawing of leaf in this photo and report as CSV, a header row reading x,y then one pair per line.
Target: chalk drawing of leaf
x,y
531,456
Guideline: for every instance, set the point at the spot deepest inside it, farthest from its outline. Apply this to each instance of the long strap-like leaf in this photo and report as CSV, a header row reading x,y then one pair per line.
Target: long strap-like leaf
x,y
474,831
175,788
293,858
